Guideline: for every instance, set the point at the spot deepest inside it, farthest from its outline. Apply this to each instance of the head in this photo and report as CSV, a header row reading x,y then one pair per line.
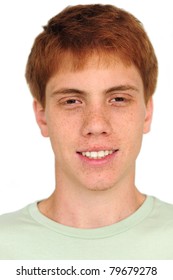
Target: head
x,y
92,73
78,33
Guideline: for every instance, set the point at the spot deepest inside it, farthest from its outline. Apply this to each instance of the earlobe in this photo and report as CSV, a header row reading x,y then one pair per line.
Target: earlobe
x,y
148,116
40,117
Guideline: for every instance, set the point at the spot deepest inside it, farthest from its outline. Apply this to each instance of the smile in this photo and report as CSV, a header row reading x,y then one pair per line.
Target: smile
x,y
97,155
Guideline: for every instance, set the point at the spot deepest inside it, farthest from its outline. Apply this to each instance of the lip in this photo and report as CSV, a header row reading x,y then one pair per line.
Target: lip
x,y
96,149
100,161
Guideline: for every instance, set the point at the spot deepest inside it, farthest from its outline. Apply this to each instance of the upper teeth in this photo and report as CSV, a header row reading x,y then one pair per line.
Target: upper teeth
x,y
96,155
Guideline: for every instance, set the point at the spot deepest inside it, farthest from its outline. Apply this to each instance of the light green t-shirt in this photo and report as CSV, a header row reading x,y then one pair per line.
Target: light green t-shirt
x,y
146,234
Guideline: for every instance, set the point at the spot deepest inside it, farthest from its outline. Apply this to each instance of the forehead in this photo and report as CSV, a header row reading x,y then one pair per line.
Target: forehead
x,y
98,73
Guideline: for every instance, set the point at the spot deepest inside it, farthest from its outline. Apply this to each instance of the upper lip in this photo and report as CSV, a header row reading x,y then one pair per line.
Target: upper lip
x,y
97,149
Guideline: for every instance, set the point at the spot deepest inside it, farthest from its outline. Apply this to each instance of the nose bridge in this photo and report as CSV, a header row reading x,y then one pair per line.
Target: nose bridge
x,y
96,120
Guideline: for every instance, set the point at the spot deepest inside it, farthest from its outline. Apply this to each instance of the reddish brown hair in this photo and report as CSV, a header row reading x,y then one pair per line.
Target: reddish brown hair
x,y
86,29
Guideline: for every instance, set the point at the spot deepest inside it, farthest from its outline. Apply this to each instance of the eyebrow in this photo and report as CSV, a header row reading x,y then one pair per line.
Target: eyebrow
x,y
118,88
67,91
122,88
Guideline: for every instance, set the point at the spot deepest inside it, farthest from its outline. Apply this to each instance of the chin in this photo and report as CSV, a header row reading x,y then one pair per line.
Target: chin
x,y
99,187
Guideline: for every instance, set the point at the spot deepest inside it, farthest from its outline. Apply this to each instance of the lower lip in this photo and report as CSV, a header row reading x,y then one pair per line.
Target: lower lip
x,y
99,161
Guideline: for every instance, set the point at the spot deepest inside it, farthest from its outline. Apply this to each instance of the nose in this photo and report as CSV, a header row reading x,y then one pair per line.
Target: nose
x,y
96,122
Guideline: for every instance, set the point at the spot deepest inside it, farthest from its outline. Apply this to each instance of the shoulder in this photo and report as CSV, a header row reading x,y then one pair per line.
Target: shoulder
x,y
12,222
15,233
162,206
162,213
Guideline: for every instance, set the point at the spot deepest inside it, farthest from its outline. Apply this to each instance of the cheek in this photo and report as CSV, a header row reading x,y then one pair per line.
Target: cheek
x,y
61,133
131,131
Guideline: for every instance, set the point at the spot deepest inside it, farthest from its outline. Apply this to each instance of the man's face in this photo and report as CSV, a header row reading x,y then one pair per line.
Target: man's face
x,y
95,119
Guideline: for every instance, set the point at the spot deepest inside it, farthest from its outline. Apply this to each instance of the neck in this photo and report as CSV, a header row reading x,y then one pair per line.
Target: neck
x,y
91,209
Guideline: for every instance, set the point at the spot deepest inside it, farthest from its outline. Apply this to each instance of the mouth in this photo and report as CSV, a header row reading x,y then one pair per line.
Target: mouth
x,y
96,155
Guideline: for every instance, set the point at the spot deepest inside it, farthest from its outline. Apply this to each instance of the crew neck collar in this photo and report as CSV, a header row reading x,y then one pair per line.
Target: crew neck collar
x,y
103,232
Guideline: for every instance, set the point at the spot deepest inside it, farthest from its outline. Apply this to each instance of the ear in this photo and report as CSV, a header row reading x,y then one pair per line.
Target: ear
x,y
40,118
148,116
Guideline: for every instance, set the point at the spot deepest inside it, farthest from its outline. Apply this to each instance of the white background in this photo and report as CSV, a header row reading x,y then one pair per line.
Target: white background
x,y
26,158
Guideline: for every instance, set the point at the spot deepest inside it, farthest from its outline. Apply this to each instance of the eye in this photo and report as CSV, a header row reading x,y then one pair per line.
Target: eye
x,y
119,99
72,101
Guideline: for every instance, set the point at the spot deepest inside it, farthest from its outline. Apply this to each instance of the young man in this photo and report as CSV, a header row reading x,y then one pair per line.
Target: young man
x,y
92,73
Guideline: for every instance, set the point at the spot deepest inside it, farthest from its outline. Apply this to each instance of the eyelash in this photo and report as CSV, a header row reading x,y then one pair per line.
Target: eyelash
x,y
70,102
120,101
